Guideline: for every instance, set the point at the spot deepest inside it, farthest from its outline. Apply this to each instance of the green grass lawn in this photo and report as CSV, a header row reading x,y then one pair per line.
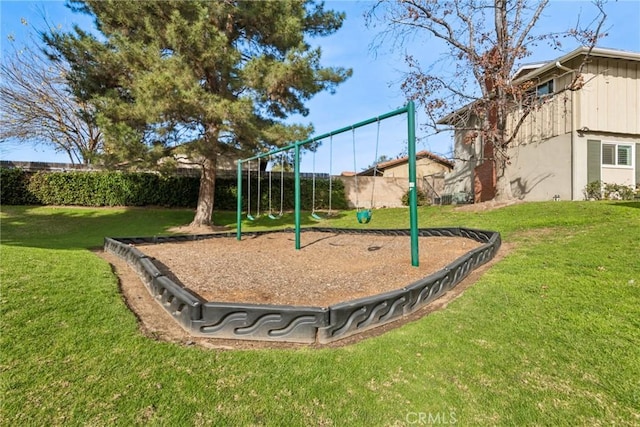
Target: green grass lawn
x,y
548,336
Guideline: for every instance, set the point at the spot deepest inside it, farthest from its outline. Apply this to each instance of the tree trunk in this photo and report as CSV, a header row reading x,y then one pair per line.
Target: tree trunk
x,y
503,182
204,209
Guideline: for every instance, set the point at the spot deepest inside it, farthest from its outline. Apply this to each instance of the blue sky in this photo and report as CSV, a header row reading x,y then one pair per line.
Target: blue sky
x,y
374,88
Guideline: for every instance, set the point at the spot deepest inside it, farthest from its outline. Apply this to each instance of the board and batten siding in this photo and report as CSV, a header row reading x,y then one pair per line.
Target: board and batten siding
x,y
610,98
550,117
609,101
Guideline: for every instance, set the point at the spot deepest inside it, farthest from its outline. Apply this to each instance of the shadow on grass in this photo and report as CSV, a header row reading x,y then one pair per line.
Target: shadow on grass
x,y
627,204
287,220
84,228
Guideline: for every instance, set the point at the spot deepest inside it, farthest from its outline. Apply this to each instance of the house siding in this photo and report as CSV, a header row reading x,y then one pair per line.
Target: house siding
x,y
542,170
467,157
550,117
557,150
619,176
588,162
424,167
610,99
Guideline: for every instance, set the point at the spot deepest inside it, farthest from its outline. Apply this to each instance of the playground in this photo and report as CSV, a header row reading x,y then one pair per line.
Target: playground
x,y
330,268
298,295
265,270
339,283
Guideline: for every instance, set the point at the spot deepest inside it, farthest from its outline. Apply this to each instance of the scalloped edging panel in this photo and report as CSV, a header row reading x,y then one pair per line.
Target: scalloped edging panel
x,y
300,324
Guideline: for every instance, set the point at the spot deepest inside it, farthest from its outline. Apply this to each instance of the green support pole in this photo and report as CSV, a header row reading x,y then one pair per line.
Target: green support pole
x,y
413,190
239,209
298,204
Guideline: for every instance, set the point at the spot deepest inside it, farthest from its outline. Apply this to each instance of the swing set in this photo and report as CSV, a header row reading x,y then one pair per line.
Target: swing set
x,y
363,215
270,212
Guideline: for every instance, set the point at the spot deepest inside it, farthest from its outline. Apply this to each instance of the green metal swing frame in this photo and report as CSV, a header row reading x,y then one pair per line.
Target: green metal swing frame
x,y
409,110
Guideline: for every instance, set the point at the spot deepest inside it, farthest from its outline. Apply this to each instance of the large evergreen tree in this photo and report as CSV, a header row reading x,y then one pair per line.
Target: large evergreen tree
x,y
207,75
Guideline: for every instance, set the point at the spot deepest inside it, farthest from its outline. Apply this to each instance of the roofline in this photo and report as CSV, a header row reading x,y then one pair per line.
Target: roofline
x,y
419,155
596,51
582,50
446,120
531,67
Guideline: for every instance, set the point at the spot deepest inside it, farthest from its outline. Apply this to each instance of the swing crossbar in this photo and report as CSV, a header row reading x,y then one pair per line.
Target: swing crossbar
x,y
328,134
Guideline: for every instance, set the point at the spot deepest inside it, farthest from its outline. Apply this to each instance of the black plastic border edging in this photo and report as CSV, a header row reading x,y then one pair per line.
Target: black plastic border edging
x,y
297,323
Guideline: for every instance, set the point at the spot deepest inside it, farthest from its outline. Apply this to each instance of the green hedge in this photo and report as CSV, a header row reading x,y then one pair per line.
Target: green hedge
x,y
147,189
338,200
113,189
14,188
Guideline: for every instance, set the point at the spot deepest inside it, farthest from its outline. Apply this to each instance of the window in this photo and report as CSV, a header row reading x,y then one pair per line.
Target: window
x,y
545,89
608,154
616,154
540,91
624,155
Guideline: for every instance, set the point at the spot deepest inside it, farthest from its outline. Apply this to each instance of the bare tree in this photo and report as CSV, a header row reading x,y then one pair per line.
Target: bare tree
x,y
472,86
37,107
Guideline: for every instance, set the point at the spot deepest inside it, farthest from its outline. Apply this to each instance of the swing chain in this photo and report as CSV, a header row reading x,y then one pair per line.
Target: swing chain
x,y
314,215
249,216
259,192
330,170
375,164
355,167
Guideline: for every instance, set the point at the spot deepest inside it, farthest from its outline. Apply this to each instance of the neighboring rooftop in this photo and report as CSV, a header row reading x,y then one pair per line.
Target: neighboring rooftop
x,y
395,162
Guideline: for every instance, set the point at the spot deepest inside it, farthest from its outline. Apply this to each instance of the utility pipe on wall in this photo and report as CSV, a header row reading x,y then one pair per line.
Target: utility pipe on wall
x,y
573,122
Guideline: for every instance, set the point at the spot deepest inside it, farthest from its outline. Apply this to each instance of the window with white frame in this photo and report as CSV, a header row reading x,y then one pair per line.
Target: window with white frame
x,y
544,89
616,154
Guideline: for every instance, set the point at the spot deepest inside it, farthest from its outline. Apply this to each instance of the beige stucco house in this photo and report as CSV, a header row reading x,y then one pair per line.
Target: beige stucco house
x,y
573,137
430,171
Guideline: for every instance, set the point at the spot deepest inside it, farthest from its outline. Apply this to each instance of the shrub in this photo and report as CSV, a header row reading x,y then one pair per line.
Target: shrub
x,y
598,190
593,191
618,192
114,189
109,188
423,200
14,187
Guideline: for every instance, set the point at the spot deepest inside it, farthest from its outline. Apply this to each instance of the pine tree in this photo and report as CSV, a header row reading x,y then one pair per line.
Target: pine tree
x,y
209,76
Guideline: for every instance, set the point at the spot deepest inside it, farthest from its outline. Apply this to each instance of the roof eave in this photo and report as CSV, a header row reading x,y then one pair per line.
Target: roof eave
x,y
596,51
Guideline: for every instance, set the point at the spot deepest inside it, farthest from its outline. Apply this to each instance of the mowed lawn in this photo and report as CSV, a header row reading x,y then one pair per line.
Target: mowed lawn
x,y
550,335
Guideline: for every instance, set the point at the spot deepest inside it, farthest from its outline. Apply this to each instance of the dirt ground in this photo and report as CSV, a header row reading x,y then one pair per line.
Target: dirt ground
x,y
329,268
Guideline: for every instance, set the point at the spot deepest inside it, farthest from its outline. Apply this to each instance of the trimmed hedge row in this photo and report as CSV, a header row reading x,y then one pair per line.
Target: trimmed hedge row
x,y
108,188
14,188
